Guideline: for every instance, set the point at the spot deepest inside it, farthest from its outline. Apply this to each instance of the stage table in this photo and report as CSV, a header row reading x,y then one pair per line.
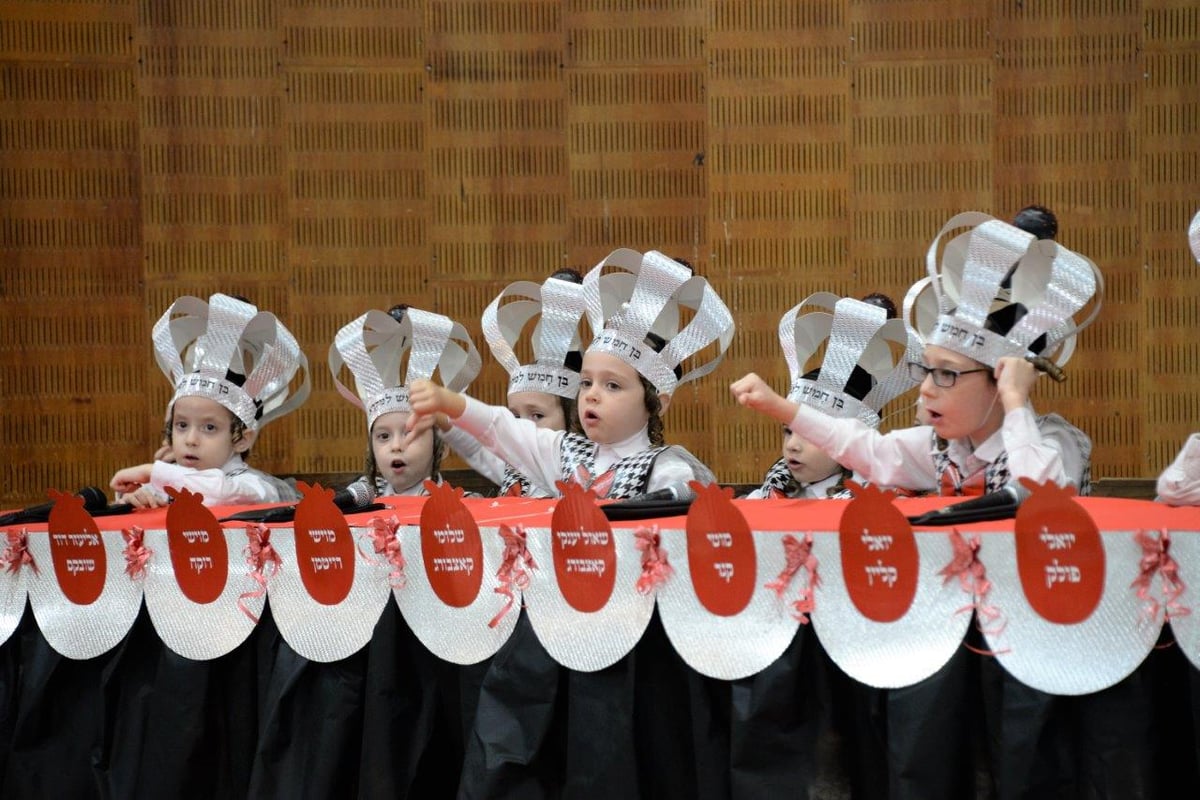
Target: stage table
x,y
533,648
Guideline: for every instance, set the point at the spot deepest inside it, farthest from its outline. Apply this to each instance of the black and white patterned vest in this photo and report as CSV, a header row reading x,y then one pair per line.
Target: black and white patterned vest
x,y
513,484
630,475
779,481
996,475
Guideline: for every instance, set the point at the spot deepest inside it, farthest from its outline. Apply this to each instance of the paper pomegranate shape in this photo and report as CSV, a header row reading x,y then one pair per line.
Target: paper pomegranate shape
x,y
450,546
1060,556
585,555
879,555
720,550
80,563
199,554
324,547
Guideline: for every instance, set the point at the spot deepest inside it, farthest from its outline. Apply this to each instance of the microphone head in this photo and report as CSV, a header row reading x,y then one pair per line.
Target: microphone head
x,y
94,499
363,492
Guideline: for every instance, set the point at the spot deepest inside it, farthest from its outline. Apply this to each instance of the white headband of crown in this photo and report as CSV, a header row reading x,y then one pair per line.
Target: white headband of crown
x,y
950,307
623,311
560,304
856,334
373,346
198,344
1194,235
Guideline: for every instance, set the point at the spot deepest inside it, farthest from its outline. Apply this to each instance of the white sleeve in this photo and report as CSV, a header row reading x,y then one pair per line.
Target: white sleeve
x,y
468,448
1179,484
218,488
902,458
532,451
1052,450
675,466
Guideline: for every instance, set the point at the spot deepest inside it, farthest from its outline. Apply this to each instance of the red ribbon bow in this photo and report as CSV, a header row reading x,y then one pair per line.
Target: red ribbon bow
x,y
972,578
514,568
136,553
385,542
798,555
1157,559
655,566
16,554
259,554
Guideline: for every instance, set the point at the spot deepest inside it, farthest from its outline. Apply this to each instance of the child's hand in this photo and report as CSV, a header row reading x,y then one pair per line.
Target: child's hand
x,y
144,497
427,399
130,479
753,392
1014,380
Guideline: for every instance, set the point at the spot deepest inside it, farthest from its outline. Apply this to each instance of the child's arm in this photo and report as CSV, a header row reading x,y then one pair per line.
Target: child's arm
x,y
1179,484
532,451
131,485
240,487
753,392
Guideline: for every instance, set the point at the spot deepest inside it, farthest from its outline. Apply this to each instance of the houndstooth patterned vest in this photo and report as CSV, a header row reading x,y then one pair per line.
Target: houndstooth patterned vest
x,y
631,474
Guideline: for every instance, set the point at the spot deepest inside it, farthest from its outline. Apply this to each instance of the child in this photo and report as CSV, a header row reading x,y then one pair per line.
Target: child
x,y
1179,484
231,366
975,379
372,347
982,435
859,376
626,382
542,391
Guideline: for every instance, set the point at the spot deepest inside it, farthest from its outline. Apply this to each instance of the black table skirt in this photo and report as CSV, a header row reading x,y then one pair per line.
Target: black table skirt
x,y
393,721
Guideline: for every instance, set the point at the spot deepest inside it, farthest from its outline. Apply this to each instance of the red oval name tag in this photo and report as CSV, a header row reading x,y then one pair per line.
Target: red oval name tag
x,y
80,560
451,547
585,553
1060,555
324,546
721,556
879,555
199,553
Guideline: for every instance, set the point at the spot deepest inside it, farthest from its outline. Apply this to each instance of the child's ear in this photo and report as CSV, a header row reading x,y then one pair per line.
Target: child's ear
x,y
246,442
664,400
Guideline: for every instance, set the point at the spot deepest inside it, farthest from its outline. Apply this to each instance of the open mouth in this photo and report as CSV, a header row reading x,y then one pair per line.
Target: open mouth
x,y
590,417
398,465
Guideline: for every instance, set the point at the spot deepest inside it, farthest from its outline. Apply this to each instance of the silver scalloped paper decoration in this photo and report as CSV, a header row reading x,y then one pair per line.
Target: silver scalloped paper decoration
x,y
84,631
889,655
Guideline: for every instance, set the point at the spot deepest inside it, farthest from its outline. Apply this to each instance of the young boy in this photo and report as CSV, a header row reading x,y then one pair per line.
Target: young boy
x,y
626,382
542,391
373,347
232,367
858,377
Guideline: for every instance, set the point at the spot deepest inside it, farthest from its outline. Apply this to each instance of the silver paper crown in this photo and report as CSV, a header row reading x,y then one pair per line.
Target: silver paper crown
x,y
373,347
623,307
199,344
950,307
1194,235
855,334
560,304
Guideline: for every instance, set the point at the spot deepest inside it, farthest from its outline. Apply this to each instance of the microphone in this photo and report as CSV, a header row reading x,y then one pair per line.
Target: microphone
x,y
671,500
355,498
1002,504
94,501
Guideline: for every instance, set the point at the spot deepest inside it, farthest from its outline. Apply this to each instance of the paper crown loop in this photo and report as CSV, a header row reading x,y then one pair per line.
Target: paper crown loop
x,y
999,291
373,348
230,352
642,294
858,339
559,305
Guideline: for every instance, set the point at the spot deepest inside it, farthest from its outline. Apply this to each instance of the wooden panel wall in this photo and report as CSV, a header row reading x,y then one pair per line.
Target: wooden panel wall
x,y
323,157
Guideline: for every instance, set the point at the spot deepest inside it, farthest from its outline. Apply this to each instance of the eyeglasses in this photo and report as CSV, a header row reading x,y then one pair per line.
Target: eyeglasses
x,y
942,377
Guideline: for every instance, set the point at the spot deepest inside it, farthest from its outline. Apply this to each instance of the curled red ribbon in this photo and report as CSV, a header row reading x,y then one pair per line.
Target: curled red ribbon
x,y
972,579
16,554
1157,559
136,553
259,554
514,568
655,566
798,556
385,542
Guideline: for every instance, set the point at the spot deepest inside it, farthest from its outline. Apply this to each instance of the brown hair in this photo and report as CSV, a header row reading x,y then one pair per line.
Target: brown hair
x,y
371,469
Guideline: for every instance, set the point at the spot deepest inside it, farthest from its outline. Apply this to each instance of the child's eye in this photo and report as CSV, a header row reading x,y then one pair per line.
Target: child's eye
x,y
613,386
586,382
537,416
210,428
787,431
